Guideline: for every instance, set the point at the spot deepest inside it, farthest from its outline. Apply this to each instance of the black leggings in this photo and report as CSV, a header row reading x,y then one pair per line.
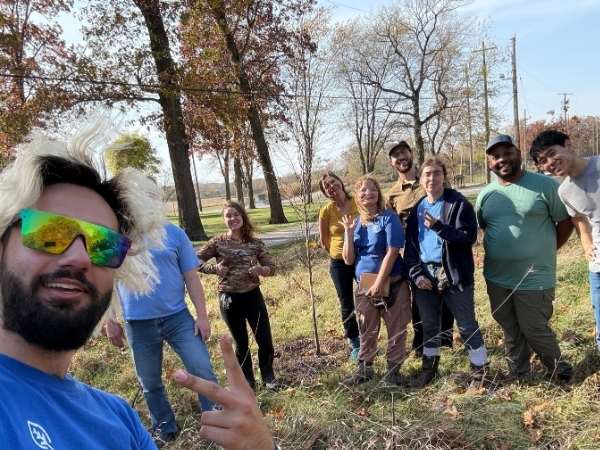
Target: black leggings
x,y
236,309
343,280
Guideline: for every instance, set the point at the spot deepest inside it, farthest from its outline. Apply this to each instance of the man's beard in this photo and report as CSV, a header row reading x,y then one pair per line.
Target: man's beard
x,y
51,328
409,165
514,169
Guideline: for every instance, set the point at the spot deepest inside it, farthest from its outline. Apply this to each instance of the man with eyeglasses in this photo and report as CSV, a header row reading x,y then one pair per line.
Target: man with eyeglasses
x,y
65,239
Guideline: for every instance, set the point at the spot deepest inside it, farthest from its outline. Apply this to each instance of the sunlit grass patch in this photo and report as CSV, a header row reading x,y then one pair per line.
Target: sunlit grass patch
x,y
314,411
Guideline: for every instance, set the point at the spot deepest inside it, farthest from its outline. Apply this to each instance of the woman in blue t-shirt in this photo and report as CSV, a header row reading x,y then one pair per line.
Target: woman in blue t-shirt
x,y
372,242
440,233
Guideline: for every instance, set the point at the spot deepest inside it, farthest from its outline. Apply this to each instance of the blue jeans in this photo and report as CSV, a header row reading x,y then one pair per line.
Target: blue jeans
x,y
462,306
146,338
595,297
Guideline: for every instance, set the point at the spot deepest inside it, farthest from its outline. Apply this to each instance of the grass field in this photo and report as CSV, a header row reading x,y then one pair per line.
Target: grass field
x,y
315,412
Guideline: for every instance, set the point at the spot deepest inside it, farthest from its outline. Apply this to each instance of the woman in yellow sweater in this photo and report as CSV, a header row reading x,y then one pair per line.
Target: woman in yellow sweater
x,y
331,232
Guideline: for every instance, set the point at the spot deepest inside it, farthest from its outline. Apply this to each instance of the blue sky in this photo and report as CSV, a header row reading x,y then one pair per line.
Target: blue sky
x,y
557,52
556,47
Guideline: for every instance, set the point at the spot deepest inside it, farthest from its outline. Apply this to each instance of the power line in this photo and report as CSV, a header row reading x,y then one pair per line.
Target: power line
x,y
341,5
535,77
158,87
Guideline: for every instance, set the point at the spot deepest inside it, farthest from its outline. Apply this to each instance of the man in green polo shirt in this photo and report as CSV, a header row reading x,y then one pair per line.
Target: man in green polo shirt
x,y
524,223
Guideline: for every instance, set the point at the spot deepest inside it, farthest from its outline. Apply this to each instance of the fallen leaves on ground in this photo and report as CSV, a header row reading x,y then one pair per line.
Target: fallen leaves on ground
x,y
533,418
299,362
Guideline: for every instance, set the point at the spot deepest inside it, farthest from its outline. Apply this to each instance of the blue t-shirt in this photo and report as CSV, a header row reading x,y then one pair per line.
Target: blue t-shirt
x,y
372,240
430,243
38,410
168,296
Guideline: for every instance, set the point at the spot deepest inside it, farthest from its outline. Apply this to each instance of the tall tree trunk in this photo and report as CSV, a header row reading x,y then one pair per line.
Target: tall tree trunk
x,y
227,187
239,176
251,202
170,102
223,160
419,144
418,133
370,165
249,172
198,196
262,149
363,157
226,180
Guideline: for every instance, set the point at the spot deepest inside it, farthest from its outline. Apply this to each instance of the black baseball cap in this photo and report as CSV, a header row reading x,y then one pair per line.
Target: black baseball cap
x,y
402,144
501,139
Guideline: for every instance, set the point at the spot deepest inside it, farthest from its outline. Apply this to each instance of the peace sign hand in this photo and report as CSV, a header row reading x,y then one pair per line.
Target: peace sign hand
x,y
240,424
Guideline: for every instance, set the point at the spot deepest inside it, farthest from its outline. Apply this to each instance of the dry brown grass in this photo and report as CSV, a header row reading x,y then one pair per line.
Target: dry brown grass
x,y
315,412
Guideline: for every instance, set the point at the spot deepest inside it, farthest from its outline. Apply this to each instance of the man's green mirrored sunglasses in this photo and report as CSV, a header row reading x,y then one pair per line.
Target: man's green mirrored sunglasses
x,y
54,233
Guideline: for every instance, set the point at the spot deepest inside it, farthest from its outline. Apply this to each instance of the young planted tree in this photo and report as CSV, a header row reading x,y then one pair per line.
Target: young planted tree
x,y
297,195
310,78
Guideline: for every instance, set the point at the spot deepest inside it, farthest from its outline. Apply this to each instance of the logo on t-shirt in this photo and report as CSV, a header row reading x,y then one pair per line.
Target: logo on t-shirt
x,y
40,436
375,227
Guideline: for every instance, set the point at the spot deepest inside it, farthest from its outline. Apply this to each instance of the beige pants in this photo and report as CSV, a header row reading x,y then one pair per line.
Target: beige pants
x,y
396,319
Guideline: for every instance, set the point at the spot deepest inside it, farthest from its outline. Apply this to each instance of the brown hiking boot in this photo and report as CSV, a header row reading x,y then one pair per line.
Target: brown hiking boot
x,y
363,373
428,372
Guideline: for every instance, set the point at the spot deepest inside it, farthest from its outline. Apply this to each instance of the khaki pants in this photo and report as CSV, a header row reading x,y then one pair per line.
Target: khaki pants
x,y
524,317
396,319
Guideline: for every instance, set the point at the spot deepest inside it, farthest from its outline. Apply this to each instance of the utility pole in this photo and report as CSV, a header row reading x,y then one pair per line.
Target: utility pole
x,y
524,140
484,72
524,126
596,137
565,109
469,125
516,131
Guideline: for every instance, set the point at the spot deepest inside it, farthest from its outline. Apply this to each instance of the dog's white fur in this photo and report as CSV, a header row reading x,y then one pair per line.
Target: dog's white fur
x,y
21,186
